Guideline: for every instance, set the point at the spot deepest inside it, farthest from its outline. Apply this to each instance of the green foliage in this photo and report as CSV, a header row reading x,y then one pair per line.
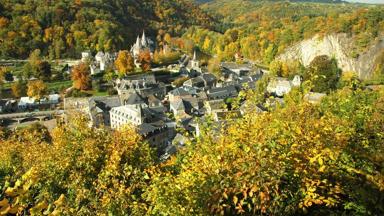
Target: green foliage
x,y
166,57
179,81
300,159
264,29
64,28
80,171
324,74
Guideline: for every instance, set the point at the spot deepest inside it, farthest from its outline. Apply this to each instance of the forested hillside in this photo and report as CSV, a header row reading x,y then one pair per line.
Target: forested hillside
x,y
261,30
64,28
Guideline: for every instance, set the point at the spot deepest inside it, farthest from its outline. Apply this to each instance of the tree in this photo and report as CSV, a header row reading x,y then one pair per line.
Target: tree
x,y
214,67
75,170
44,71
145,60
124,63
301,159
270,53
5,74
19,89
275,67
81,77
36,89
324,74
37,67
167,38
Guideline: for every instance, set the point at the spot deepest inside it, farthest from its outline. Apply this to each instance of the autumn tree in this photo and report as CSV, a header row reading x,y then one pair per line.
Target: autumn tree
x,y
5,74
36,89
81,77
37,67
165,57
324,74
124,63
214,67
167,38
74,170
19,89
309,160
145,60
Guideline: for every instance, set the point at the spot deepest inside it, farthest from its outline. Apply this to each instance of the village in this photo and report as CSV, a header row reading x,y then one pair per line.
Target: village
x,y
167,108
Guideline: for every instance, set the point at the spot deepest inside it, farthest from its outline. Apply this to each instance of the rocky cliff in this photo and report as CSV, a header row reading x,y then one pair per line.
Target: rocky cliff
x,y
339,46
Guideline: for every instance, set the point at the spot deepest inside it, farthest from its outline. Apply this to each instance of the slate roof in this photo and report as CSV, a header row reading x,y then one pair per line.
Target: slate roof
x,y
197,81
131,98
208,77
227,91
179,92
178,104
146,128
106,103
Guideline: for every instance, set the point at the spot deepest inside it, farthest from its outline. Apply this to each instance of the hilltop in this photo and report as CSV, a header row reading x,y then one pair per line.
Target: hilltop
x,y
64,28
262,30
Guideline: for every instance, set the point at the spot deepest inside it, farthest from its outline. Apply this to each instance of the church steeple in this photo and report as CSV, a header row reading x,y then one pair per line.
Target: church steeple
x,y
138,41
194,55
143,40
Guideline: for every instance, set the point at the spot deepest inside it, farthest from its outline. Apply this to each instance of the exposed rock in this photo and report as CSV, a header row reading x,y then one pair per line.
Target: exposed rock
x,y
338,46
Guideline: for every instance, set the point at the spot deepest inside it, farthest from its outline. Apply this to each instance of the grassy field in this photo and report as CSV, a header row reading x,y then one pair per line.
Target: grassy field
x,y
56,85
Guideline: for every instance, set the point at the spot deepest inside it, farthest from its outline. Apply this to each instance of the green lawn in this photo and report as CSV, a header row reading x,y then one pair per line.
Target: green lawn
x,y
59,84
98,93
52,86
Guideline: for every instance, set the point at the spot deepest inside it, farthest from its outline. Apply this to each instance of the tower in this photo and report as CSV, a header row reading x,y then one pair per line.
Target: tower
x,y
144,40
194,62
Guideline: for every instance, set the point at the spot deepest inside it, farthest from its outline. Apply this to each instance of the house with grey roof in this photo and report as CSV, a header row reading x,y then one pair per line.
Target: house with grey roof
x,y
7,105
213,106
127,114
197,82
232,69
181,92
177,107
99,108
209,80
96,108
144,86
222,92
157,134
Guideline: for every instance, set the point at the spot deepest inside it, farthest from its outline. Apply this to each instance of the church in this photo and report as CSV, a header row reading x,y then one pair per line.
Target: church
x,y
141,44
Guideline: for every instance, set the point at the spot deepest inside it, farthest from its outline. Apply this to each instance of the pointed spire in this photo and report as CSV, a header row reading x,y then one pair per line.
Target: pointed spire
x,y
144,40
138,41
194,55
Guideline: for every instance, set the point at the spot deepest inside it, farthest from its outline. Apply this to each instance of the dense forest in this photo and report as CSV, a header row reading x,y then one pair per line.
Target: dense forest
x,y
262,30
64,28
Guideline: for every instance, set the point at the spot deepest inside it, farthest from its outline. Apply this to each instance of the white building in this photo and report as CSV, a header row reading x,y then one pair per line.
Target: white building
x,y
281,86
86,56
194,62
140,45
25,102
128,114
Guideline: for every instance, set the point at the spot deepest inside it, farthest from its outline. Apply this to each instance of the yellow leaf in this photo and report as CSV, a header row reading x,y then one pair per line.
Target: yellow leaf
x,y
320,160
235,199
321,169
60,201
4,202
